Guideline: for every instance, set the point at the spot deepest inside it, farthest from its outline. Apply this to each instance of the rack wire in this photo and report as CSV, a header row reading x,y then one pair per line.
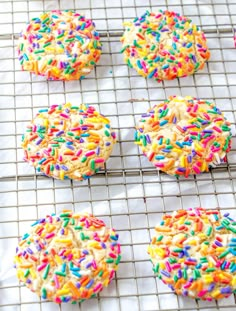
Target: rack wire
x,y
130,194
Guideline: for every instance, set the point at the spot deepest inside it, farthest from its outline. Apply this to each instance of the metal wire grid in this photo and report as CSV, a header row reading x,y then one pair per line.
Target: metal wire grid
x,y
130,195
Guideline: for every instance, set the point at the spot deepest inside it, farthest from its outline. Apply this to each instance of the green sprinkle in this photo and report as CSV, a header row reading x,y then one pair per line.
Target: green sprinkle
x,y
84,159
160,238
44,293
210,269
100,273
45,275
109,260
107,133
65,223
78,227
92,165
185,275
156,268
60,273
46,44
175,278
118,260
27,272
39,51
209,231
225,253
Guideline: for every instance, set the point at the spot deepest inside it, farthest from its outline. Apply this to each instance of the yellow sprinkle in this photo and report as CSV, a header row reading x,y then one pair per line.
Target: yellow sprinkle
x,y
234,281
63,292
33,274
62,175
63,241
215,293
58,259
208,279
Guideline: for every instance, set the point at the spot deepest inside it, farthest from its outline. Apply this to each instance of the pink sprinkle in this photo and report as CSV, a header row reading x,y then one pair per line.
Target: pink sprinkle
x,y
40,268
64,115
118,248
34,128
195,108
60,158
193,133
61,253
217,129
176,266
50,235
94,264
112,255
196,169
158,16
159,164
227,265
218,119
168,267
100,160
69,257
206,116
58,300
187,285
112,274
78,128
89,153
78,153
202,293
56,281
97,287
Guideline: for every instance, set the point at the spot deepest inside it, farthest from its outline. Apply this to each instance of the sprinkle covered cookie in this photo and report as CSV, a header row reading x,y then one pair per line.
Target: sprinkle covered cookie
x,y
68,141
67,258
183,136
60,45
194,253
164,46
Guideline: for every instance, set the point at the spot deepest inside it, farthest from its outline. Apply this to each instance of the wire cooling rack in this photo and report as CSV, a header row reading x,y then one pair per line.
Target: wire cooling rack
x,y
130,194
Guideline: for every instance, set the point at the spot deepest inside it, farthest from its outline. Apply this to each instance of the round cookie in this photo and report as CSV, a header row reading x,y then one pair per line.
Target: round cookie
x,y
183,136
68,141
164,46
60,45
194,253
67,258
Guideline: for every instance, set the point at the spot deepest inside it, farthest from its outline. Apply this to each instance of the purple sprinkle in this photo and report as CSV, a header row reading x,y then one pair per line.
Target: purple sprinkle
x,y
211,287
148,139
78,285
218,243
81,140
107,143
64,168
181,254
189,159
57,167
38,142
208,131
194,58
70,147
181,169
165,273
85,252
179,274
62,231
29,250
174,120
103,245
89,265
66,299
226,290
81,259
28,281
59,133
185,292
97,150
